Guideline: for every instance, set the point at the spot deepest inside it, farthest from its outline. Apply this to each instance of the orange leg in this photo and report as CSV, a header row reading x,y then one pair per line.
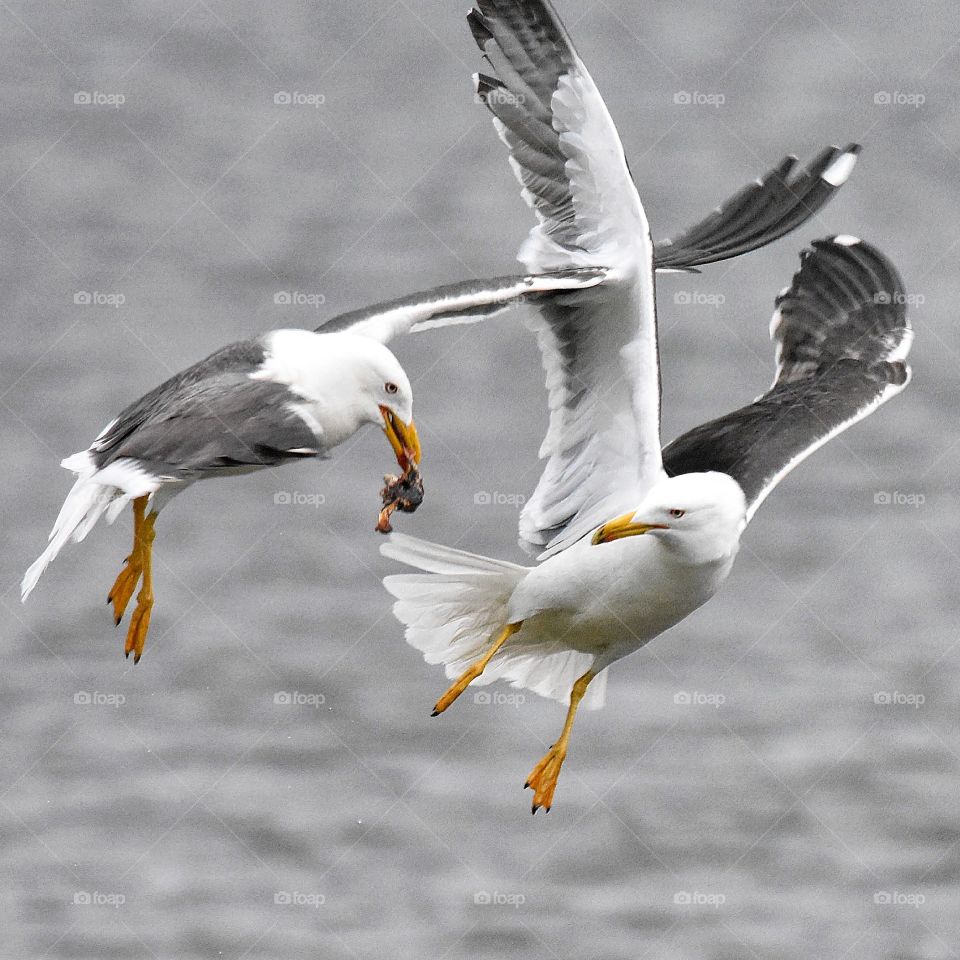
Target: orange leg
x,y
128,578
464,680
543,777
139,565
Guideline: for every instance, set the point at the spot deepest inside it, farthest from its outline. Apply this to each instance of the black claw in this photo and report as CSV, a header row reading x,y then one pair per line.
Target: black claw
x,y
526,785
116,621
136,659
126,655
436,713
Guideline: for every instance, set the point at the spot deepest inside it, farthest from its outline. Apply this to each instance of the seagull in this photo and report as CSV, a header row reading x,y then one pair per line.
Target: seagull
x,y
287,395
652,534
632,538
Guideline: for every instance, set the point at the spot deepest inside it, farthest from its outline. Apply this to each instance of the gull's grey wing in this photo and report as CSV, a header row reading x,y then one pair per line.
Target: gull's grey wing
x,y
842,338
599,346
457,303
211,417
763,211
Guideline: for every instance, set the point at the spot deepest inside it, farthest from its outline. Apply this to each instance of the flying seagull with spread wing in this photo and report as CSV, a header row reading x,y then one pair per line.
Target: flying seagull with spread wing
x,y
634,538
284,396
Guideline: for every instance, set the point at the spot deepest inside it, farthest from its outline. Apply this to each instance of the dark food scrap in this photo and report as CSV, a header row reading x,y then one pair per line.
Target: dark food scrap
x,y
400,493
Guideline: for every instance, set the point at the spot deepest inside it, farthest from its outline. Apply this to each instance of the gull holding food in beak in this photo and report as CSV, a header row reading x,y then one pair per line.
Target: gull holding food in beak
x,y
284,396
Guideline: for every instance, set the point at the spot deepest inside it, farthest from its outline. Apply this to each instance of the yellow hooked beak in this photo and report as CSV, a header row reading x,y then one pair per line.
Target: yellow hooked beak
x,y
624,527
403,438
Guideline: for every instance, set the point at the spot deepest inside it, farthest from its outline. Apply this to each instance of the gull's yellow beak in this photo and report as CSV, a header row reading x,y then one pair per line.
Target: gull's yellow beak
x,y
403,438
624,527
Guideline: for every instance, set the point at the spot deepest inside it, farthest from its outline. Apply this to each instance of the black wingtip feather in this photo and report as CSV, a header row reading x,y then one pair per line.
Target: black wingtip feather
x,y
763,211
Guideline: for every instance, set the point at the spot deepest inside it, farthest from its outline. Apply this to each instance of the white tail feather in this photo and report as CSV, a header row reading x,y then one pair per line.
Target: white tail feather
x,y
454,611
93,493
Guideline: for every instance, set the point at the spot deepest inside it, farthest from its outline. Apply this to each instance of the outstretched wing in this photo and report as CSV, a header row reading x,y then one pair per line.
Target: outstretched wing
x,y
599,346
842,340
457,303
763,211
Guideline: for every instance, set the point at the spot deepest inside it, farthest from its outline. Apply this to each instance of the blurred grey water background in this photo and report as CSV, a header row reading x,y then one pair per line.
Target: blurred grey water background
x,y
267,782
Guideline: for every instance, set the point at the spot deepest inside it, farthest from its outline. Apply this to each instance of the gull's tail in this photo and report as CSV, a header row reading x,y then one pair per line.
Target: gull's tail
x,y
95,492
456,608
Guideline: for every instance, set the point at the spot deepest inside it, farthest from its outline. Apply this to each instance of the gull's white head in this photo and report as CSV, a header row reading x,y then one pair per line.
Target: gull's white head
x,y
700,515
346,381
381,394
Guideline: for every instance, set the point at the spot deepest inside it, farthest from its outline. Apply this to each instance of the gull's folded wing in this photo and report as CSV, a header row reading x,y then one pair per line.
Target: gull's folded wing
x,y
599,346
842,340
763,211
457,303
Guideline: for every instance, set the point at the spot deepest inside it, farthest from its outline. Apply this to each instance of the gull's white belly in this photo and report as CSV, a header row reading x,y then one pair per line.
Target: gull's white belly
x,y
611,599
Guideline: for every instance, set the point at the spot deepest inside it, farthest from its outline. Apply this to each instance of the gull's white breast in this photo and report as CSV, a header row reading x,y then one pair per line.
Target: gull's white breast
x,y
612,598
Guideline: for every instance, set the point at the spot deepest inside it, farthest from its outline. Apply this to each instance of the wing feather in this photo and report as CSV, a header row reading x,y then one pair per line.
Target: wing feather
x,y
842,339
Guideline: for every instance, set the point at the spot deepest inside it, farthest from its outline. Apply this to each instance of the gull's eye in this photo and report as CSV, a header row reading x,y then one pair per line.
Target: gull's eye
x,y
390,387
676,514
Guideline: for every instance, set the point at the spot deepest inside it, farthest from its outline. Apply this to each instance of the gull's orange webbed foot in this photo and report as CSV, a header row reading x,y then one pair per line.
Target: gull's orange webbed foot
x,y
543,778
124,586
139,625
